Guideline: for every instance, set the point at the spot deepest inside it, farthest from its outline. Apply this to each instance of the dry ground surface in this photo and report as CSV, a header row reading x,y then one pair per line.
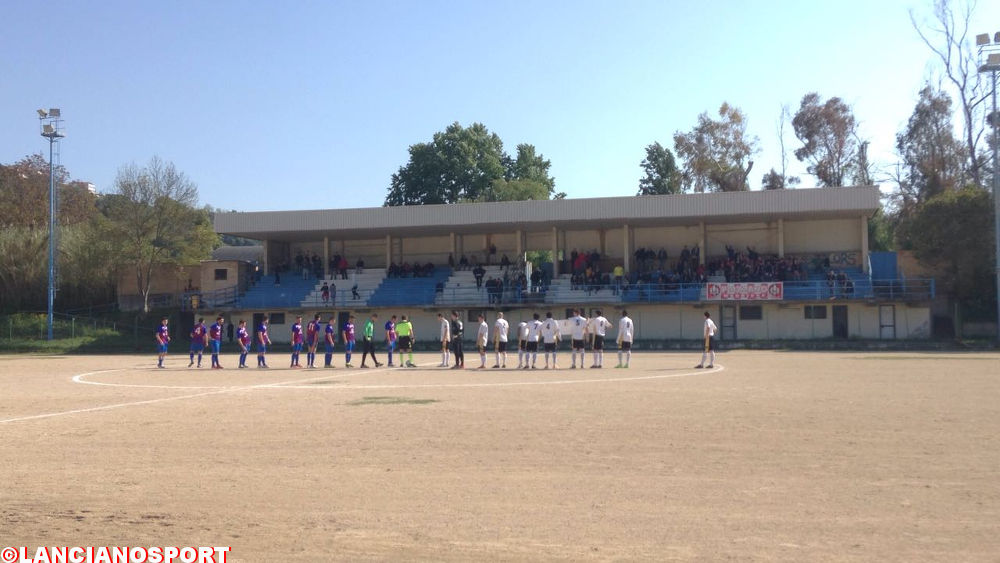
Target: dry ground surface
x,y
772,456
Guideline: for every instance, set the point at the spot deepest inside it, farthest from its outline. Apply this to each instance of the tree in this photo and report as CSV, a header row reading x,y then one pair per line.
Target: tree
x,y
933,160
775,180
662,175
952,231
24,195
863,168
947,36
458,164
526,177
152,220
717,154
828,132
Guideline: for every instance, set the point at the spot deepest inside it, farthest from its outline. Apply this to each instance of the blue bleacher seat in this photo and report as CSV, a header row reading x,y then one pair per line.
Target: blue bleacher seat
x,y
408,291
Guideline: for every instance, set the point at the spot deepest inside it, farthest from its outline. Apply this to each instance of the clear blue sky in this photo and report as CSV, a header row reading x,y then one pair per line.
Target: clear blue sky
x,y
313,105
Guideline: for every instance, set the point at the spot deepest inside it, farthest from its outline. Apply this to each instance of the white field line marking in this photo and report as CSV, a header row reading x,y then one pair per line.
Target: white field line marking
x,y
717,369
79,379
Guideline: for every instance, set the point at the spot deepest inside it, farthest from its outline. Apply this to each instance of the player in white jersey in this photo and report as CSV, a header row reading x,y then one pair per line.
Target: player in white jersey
x,y
598,327
626,331
445,337
550,338
482,337
579,328
534,331
500,328
709,353
522,344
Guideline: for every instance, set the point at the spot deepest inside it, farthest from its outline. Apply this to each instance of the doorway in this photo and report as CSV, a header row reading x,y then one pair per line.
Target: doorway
x,y
840,321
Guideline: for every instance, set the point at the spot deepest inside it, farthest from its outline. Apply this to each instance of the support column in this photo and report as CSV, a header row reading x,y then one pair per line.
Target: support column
x,y
388,250
702,247
627,252
326,257
265,267
602,247
864,244
555,251
520,243
781,238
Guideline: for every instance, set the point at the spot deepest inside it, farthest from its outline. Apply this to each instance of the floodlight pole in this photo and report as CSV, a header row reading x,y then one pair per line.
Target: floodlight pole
x,y
991,64
52,133
995,123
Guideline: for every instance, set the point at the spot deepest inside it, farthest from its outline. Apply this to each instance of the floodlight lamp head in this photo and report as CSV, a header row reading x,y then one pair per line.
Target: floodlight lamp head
x,y
48,130
42,114
54,112
993,59
982,39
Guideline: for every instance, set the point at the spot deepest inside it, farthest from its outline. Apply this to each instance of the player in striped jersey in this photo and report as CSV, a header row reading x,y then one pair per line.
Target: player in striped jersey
x,y
312,341
243,339
296,342
263,341
198,341
215,339
162,340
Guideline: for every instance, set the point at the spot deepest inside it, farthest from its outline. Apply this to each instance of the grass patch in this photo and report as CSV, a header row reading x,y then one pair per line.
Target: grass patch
x,y
391,401
112,343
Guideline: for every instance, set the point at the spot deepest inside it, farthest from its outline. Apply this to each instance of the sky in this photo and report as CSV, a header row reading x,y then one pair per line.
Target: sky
x,y
305,105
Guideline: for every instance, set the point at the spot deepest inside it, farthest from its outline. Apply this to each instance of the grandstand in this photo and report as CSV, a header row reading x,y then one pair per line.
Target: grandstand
x,y
677,253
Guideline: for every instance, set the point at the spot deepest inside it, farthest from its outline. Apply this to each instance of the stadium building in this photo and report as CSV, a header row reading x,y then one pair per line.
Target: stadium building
x,y
782,264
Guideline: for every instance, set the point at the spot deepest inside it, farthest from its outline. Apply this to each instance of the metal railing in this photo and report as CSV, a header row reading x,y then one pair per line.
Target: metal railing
x,y
809,290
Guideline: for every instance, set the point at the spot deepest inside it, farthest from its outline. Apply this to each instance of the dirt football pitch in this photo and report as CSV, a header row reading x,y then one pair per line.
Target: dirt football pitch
x,y
771,456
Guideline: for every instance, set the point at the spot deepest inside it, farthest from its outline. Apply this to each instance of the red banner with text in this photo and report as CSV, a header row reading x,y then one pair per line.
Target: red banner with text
x,y
745,291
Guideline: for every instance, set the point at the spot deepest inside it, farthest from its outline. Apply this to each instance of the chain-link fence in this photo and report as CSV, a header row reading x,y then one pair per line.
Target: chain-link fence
x,y
18,332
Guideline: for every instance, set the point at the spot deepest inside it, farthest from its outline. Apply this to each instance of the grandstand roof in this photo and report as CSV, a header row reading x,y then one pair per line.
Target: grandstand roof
x,y
589,213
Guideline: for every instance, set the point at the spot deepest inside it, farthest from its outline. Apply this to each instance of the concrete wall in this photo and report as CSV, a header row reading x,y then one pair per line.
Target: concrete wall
x,y
232,268
666,322
763,237
822,236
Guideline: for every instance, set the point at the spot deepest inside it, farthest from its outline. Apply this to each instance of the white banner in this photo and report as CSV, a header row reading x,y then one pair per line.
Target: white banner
x,y
744,291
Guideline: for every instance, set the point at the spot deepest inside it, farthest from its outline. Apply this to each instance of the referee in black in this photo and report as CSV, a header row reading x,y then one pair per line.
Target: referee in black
x,y
457,331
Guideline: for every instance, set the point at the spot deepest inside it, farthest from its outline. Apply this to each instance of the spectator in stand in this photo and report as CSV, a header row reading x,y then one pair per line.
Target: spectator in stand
x,y
354,292
479,272
325,293
504,262
451,261
463,263
662,257
342,267
360,268
619,272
